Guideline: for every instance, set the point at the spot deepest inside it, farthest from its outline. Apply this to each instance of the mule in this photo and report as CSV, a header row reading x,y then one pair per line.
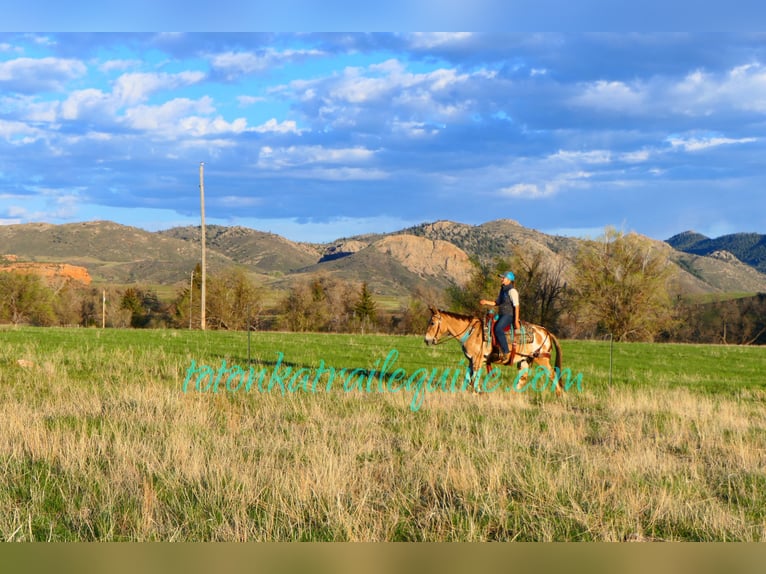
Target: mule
x,y
534,349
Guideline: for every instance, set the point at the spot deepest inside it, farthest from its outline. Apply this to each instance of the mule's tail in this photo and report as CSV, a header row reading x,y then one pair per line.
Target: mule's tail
x,y
558,350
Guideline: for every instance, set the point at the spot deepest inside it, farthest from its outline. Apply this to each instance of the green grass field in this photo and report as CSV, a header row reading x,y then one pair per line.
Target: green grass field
x,y
101,442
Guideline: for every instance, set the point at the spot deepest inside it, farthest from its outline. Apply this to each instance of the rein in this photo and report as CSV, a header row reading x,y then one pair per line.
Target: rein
x,y
462,337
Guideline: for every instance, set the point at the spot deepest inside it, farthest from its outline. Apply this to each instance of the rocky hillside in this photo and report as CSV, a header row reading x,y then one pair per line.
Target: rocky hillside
x,y
497,238
429,258
394,265
749,248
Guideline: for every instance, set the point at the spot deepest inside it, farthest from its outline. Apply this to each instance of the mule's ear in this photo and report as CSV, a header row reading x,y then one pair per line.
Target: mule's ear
x,y
433,309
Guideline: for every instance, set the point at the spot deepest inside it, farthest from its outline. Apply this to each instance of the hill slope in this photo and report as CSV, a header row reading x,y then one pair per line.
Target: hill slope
x,y
111,252
750,248
262,252
430,255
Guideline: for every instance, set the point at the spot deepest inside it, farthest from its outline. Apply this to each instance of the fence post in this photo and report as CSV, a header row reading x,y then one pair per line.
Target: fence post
x,y
611,345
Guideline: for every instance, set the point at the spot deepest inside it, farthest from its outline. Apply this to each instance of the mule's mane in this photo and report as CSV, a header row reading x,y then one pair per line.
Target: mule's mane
x,y
458,315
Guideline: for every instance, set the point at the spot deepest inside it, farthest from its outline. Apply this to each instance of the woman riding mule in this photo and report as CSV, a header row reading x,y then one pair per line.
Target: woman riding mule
x,y
507,304
535,349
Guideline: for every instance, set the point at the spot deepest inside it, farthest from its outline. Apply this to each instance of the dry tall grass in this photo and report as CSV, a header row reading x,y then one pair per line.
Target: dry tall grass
x,y
128,456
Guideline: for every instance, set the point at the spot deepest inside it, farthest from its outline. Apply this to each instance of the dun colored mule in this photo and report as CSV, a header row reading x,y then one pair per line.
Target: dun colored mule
x,y
534,347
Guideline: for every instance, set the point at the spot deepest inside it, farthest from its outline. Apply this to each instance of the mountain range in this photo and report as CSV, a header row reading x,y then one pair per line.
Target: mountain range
x,y
750,248
393,264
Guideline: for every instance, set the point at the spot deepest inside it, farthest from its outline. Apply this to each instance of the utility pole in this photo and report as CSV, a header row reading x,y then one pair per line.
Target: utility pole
x,y
103,310
202,214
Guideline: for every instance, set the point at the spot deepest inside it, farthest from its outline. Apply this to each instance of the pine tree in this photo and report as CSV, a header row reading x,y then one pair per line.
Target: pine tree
x,y
364,309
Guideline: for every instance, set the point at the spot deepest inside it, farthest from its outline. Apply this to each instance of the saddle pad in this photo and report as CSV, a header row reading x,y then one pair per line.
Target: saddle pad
x,y
523,336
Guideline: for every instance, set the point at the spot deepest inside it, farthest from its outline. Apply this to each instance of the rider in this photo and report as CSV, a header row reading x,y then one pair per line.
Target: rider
x,y
507,304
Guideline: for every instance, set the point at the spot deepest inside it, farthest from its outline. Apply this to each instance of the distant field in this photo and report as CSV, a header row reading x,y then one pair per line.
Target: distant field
x,y
720,297
100,442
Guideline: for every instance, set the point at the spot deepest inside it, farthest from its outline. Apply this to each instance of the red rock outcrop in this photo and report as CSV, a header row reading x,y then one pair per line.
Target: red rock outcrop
x,y
48,271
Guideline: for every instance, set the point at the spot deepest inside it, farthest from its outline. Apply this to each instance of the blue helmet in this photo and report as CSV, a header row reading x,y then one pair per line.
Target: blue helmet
x,y
509,275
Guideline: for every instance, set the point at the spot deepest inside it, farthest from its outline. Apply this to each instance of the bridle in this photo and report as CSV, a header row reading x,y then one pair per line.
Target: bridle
x,y
463,337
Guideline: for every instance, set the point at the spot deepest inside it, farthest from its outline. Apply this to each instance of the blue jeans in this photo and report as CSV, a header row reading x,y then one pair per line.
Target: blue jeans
x,y
502,322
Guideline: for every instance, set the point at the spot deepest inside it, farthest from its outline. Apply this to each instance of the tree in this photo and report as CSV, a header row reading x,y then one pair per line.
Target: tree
x,y
319,304
67,303
620,287
145,308
541,286
741,321
295,309
365,309
232,300
483,283
186,306
25,299
131,301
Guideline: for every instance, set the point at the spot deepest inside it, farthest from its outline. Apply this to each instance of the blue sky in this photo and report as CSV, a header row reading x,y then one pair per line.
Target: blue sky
x,y
317,136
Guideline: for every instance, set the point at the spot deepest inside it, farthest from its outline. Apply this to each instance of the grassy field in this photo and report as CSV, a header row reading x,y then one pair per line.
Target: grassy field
x,y
100,441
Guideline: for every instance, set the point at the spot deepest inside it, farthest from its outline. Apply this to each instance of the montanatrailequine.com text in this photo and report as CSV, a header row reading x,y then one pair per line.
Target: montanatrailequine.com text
x,y
385,378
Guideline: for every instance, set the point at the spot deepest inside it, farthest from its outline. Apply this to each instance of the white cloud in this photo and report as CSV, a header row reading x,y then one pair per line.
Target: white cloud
x,y
249,100
17,212
46,112
167,115
306,156
234,64
236,201
611,96
429,40
82,103
19,133
273,126
44,205
42,40
696,144
39,74
182,117
414,129
589,157
5,47
699,93
119,65
372,95
356,87
528,190
347,174
201,126
136,87
553,185
130,89
638,156
213,147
